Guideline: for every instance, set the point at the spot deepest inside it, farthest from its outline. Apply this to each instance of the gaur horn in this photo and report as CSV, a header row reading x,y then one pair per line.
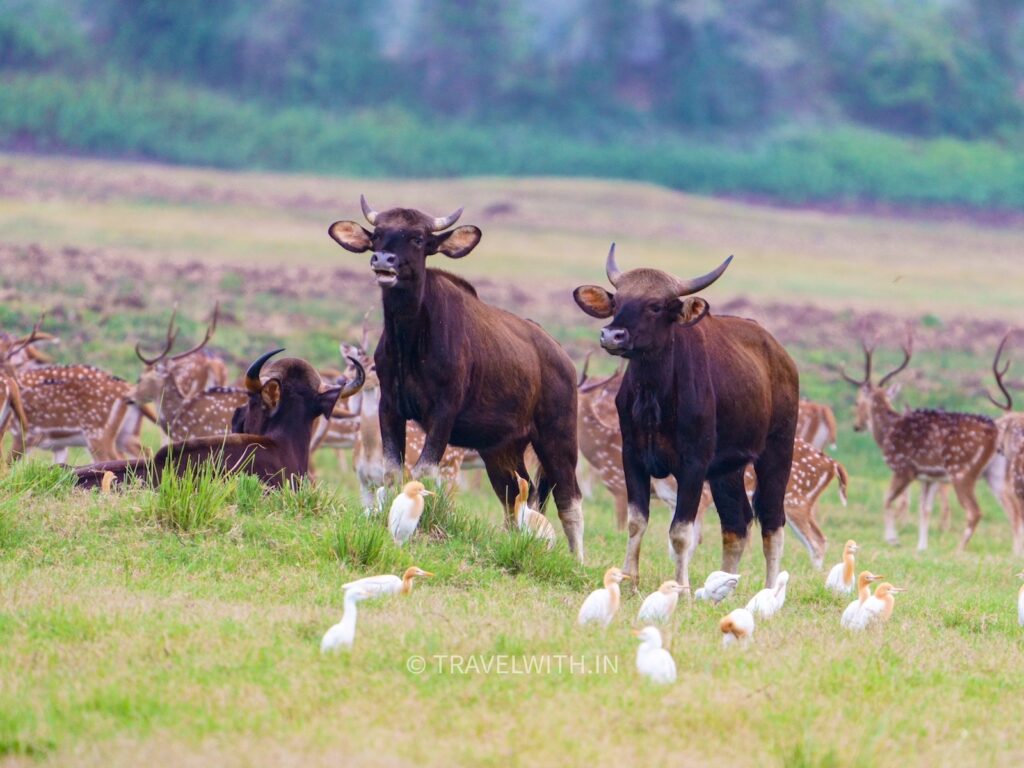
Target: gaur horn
x,y
693,285
368,212
443,222
252,376
357,383
612,269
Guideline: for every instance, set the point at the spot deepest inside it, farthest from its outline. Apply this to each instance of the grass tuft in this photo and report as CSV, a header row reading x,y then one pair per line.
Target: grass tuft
x,y
306,498
248,493
519,552
361,541
193,501
443,519
37,478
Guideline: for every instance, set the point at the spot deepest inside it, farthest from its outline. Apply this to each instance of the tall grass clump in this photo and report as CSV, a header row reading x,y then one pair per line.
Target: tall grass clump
x,y
443,519
362,541
248,493
194,500
37,478
520,552
306,498
9,531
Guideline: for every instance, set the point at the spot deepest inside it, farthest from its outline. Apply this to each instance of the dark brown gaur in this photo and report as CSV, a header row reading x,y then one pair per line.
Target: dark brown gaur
x,y
931,446
471,375
702,397
276,423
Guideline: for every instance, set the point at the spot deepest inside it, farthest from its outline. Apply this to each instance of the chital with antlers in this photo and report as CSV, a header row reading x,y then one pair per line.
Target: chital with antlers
x,y
926,445
73,405
1003,469
186,407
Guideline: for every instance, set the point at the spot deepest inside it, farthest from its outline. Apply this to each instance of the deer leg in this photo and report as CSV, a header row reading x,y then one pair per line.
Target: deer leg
x,y
772,472
946,513
897,486
965,495
928,491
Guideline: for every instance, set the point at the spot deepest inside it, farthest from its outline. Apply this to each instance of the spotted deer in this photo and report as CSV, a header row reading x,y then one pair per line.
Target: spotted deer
x,y
10,406
74,406
1001,473
927,445
816,424
177,384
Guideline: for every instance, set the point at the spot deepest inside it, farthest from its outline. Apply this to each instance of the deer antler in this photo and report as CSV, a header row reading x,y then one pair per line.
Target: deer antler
x,y
868,353
999,373
586,367
908,351
172,335
210,329
23,342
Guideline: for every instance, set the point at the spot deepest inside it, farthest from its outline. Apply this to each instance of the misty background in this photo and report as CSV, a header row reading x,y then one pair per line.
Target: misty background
x,y
867,102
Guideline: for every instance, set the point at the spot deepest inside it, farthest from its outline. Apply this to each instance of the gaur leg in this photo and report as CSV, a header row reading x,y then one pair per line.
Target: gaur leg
x,y
772,471
684,531
735,514
927,501
899,483
392,436
557,454
638,509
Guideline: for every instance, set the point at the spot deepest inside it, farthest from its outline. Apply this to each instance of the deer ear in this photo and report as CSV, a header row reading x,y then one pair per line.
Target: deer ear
x,y
271,394
594,300
350,236
692,310
893,391
456,243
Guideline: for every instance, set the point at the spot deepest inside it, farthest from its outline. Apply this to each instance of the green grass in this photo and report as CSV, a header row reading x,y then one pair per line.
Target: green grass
x,y
194,500
109,115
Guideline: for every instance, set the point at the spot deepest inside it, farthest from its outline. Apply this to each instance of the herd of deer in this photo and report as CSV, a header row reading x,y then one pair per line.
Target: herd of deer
x,y
55,407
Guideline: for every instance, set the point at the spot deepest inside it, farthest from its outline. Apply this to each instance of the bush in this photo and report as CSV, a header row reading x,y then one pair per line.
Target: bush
x,y
193,501
37,478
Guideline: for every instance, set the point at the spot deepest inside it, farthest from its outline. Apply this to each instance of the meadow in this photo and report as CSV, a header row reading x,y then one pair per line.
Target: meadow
x,y
127,637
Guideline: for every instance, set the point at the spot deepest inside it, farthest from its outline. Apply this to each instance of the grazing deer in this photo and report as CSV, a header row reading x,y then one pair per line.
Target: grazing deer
x,y
1001,473
816,424
186,407
74,405
926,445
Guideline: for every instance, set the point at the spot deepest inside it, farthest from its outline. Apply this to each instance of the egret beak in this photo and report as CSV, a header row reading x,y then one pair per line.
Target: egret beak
x,y
426,574
636,632
425,492
876,578
897,589
626,577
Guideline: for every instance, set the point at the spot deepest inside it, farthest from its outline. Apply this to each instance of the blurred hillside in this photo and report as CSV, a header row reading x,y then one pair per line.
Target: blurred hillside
x,y
839,101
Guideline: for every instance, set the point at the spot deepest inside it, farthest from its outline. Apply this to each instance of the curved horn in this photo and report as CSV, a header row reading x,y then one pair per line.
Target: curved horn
x,y
443,222
356,384
908,351
172,335
686,287
252,376
586,366
868,353
368,212
599,383
206,339
999,373
611,268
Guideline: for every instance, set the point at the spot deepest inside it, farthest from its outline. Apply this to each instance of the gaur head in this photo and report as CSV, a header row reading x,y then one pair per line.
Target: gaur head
x,y
647,305
401,240
288,391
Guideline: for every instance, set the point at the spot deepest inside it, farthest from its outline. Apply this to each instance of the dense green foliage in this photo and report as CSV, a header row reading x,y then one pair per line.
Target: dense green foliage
x,y
729,98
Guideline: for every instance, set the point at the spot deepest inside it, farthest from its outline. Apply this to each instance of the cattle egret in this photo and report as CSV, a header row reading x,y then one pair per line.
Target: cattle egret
x,y
343,634
653,661
658,606
1020,601
737,626
876,609
530,519
841,579
406,510
863,593
768,602
388,584
601,605
718,586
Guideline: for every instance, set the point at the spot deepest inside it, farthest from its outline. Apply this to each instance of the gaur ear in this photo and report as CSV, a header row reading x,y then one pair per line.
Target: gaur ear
x,y
271,394
326,401
692,310
594,300
238,419
455,243
350,236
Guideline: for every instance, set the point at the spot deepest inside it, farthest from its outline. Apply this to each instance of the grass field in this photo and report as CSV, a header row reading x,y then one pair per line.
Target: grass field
x,y
126,641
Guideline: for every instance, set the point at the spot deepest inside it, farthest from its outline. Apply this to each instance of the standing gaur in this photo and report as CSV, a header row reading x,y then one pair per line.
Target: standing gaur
x,y
701,398
471,375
